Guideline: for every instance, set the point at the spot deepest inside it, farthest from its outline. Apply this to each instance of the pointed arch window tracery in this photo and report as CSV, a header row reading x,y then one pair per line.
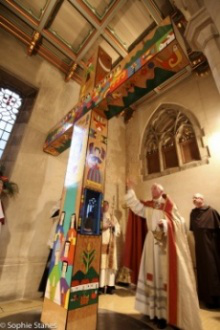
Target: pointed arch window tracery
x,y
172,142
152,153
10,103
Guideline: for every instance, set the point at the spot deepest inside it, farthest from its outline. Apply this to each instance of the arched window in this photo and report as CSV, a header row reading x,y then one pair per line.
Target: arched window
x,y
16,102
188,145
172,142
152,153
10,104
169,152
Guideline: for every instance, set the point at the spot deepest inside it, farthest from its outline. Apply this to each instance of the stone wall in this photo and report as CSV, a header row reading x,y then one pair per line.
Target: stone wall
x,y
200,96
40,177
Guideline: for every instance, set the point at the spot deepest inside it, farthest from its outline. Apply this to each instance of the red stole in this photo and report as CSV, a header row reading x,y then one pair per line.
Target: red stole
x,y
2,220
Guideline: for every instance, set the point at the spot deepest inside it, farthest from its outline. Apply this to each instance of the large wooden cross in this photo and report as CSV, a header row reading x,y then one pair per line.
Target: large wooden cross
x,y
146,70
71,297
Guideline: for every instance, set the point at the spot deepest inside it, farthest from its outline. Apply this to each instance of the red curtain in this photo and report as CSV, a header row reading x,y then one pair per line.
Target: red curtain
x,y
134,241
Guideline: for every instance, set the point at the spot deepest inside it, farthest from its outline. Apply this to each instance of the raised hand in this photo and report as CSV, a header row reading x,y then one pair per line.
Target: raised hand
x,y
129,184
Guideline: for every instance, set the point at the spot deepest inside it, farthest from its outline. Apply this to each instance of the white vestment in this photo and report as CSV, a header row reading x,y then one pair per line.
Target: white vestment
x,y
166,283
109,251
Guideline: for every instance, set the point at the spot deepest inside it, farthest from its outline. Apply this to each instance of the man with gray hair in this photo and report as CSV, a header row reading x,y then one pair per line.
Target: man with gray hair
x,y
166,289
205,224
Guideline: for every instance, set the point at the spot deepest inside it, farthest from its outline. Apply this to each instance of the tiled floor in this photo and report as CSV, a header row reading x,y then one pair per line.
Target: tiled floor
x,y
122,303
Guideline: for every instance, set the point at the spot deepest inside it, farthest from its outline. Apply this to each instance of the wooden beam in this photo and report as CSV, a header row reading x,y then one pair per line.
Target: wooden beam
x,y
156,59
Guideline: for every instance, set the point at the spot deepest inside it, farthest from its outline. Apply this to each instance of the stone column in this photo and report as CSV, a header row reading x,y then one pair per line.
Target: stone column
x,y
188,7
202,35
213,7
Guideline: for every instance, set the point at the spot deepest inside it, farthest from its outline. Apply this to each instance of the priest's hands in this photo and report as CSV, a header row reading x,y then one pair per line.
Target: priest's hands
x,y
160,224
129,184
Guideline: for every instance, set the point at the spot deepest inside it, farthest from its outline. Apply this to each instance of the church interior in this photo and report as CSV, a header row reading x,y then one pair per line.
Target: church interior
x,y
157,90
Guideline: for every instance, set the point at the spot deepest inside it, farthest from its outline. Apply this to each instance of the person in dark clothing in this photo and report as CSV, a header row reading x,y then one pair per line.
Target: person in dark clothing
x,y
89,224
205,224
55,218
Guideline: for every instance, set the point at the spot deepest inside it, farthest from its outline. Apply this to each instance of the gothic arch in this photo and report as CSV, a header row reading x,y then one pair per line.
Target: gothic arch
x,y
28,93
172,141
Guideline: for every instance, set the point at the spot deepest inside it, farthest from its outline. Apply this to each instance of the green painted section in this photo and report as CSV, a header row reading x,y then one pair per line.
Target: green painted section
x,y
70,205
83,298
160,75
64,146
160,34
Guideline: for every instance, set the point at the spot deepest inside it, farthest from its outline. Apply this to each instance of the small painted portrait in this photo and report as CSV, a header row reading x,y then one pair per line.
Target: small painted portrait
x,y
95,159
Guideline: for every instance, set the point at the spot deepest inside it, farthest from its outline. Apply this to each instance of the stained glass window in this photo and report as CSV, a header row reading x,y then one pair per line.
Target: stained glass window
x,y
10,103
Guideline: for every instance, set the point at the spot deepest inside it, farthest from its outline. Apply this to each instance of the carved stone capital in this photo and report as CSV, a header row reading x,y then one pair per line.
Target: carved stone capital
x,y
187,7
213,7
200,29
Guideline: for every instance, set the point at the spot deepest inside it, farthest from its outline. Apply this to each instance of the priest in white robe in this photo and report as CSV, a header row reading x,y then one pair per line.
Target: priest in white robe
x,y
110,230
166,289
